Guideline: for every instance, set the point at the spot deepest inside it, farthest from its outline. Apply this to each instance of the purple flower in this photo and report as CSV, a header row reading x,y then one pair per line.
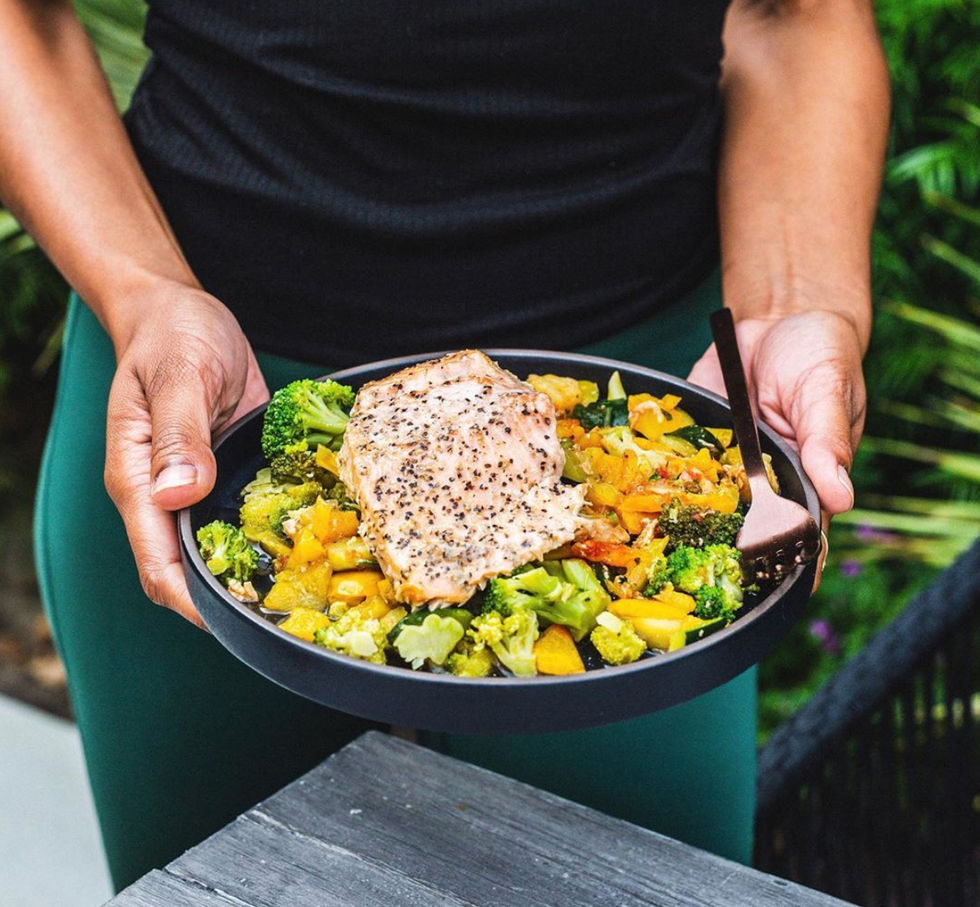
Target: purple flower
x,y
851,568
825,634
868,533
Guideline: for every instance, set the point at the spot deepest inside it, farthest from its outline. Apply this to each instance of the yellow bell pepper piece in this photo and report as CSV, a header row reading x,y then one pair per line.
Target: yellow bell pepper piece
x,y
634,522
330,523
649,608
590,391
327,459
300,588
604,494
670,596
304,622
556,652
644,503
354,586
649,423
349,554
306,549
372,607
724,499
565,393
670,401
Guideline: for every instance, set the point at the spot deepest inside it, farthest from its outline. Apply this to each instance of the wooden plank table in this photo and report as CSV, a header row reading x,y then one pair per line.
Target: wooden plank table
x,y
385,823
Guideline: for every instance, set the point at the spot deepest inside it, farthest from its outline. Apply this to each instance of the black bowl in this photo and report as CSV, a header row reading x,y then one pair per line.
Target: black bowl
x,y
440,702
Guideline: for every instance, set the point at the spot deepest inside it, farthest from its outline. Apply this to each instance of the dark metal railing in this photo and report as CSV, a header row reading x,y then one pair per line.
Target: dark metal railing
x,y
871,792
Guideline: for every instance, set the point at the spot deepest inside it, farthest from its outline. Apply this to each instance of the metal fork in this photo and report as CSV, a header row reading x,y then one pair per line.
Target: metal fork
x,y
778,534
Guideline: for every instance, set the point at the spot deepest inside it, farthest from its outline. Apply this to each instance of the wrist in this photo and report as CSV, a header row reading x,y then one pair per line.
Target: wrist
x,y
772,298
127,302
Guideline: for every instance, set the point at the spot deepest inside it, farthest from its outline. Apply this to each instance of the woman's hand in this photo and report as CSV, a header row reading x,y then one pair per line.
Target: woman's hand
x,y
185,370
804,376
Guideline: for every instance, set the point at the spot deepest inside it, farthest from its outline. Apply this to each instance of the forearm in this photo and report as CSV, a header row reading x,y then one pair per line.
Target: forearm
x,y
68,171
806,101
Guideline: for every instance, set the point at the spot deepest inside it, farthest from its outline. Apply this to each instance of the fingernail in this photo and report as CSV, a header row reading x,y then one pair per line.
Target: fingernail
x,y
176,475
845,480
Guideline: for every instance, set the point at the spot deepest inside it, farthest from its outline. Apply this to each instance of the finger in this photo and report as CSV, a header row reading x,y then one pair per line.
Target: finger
x,y
152,532
707,373
824,431
824,550
179,399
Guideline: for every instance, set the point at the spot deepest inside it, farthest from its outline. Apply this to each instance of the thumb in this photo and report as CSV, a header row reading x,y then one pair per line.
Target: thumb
x,y
824,434
182,466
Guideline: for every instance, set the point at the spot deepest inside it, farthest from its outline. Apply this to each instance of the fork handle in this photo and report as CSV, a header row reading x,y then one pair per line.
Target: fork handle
x,y
732,370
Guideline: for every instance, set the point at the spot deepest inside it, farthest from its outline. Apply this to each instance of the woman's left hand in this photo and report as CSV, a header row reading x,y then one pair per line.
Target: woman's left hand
x,y
805,380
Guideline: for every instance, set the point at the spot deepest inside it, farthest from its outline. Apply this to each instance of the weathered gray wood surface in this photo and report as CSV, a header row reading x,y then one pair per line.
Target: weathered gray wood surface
x,y
384,823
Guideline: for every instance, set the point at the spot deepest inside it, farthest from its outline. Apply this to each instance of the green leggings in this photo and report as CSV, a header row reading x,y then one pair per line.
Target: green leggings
x,y
180,737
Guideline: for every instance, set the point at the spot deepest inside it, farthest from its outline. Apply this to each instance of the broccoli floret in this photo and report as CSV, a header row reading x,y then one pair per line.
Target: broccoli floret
x,y
560,592
616,640
430,639
227,552
718,566
602,414
355,634
714,602
297,463
510,638
267,504
693,527
657,577
470,659
313,411
341,494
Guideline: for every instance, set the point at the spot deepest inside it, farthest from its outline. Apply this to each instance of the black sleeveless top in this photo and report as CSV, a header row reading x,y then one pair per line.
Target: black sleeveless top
x,y
364,178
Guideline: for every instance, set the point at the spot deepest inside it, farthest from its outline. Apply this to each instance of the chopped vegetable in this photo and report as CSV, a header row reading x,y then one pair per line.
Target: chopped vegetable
x,y
355,634
354,585
698,437
267,505
511,638
565,393
560,592
556,652
315,412
602,414
470,659
695,527
616,640
227,552
304,622
431,639
304,588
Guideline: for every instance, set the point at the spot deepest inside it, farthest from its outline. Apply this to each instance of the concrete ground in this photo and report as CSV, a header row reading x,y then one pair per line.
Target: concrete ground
x,y
50,853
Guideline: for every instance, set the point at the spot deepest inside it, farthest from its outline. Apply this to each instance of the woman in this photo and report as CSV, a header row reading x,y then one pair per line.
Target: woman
x,y
305,185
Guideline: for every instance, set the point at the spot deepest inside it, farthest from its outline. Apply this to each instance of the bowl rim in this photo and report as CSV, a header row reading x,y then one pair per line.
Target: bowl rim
x,y
193,557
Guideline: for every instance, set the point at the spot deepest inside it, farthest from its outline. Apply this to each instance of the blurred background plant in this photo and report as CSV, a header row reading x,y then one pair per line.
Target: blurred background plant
x,y
918,475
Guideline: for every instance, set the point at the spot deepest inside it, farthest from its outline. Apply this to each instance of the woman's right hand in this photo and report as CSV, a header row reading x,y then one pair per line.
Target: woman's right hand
x,y
185,370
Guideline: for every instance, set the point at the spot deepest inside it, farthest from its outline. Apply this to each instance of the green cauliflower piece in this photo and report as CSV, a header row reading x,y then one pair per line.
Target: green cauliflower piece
x,y
510,638
616,640
355,635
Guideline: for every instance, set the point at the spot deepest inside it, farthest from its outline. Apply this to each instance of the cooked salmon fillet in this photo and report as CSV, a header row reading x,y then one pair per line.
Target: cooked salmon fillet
x,y
456,466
